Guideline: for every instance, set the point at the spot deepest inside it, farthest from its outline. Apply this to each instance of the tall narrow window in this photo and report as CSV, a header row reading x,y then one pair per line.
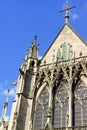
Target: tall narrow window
x,y
41,110
64,56
61,107
59,55
81,105
70,52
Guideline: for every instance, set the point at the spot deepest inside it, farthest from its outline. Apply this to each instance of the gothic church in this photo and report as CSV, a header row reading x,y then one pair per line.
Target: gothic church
x,y
52,92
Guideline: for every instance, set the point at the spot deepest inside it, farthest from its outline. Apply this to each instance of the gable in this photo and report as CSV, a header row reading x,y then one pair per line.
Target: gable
x,y
67,43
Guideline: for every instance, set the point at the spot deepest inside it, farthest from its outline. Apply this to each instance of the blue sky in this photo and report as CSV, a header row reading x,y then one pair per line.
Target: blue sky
x,y
20,20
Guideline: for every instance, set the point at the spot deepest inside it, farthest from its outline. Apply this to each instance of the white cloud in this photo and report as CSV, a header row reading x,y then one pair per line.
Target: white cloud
x,y
75,16
7,118
40,57
6,82
65,4
11,93
2,85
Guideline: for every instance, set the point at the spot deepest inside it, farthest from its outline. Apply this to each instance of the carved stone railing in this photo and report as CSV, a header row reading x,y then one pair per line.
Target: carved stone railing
x,y
67,128
74,60
72,128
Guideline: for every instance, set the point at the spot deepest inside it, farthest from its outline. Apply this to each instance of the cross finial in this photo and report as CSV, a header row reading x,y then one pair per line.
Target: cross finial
x,y
35,37
67,11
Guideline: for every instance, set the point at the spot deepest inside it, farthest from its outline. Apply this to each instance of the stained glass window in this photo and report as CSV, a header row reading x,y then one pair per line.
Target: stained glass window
x,y
41,110
81,105
64,52
61,107
70,52
59,55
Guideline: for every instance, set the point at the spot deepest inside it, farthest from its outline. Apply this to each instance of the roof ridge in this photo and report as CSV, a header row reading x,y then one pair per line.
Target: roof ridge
x,y
58,35
76,34
53,41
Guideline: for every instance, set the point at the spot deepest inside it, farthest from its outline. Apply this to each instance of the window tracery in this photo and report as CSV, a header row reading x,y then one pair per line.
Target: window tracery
x,y
65,52
59,55
81,105
70,52
61,106
41,110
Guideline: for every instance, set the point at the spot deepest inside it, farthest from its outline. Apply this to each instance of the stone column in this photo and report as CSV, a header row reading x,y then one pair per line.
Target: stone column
x,y
70,106
20,84
70,92
42,117
16,112
49,105
61,114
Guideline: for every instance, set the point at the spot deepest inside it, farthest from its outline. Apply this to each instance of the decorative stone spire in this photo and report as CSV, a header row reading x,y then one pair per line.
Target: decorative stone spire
x,y
35,39
33,52
5,107
34,48
67,12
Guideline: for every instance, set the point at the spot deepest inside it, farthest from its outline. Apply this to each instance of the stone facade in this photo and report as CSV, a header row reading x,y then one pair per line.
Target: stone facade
x,y
52,92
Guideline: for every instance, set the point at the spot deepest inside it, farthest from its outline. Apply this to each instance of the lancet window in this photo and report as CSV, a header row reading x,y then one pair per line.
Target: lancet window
x,y
59,55
70,52
41,110
64,56
81,105
61,106
65,52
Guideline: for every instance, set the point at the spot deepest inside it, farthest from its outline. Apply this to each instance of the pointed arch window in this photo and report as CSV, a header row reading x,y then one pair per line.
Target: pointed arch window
x,y
41,110
61,106
59,55
81,105
70,52
64,51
